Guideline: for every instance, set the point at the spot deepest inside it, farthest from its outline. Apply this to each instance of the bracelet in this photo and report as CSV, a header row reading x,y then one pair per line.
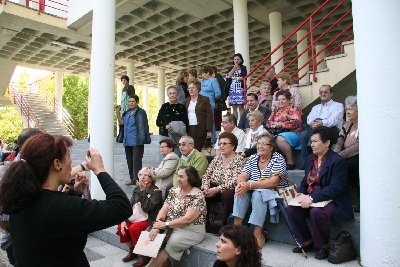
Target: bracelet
x,y
82,167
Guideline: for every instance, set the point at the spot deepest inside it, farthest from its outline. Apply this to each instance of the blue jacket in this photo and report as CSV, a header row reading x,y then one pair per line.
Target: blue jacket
x,y
142,127
210,88
333,180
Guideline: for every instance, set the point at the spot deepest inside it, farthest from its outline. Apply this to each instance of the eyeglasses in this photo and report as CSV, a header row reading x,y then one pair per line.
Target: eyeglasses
x,y
182,144
223,144
163,146
263,144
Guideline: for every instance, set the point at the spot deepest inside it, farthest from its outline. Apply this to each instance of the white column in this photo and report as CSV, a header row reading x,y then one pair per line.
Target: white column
x,y
58,95
130,71
145,99
322,65
241,30
304,57
102,87
161,87
379,150
120,86
275,36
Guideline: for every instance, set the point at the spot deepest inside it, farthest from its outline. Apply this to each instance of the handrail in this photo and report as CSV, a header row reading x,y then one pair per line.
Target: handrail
x,y
313,27
54,5
25,108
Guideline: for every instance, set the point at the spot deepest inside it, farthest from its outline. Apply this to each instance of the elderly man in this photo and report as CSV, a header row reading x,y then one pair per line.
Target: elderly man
x,y
190,157
229,125
329,113
252,104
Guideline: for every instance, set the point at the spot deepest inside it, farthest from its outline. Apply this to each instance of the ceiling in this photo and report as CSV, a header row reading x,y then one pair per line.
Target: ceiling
x,y
169,34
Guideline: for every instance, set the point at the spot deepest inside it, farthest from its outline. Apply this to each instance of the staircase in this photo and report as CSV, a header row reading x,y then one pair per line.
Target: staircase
x,y
48,120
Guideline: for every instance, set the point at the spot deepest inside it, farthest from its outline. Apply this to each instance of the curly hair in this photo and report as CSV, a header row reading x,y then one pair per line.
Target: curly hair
x,y
242,237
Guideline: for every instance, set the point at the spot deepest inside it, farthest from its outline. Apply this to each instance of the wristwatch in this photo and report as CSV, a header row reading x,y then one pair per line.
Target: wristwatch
x,y
167,225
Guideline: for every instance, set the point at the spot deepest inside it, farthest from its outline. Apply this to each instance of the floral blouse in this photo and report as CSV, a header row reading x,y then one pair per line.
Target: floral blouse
x,y
223,178
290,117
178,206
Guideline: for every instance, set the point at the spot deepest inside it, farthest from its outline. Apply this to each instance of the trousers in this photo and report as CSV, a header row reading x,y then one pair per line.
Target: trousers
x,y
134,156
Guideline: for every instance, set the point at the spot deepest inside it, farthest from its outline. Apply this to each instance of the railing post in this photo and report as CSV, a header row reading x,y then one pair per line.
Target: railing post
x,y
312,50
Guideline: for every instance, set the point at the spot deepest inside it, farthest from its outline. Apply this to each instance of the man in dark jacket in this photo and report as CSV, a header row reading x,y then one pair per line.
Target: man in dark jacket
x,y
252,104
136,134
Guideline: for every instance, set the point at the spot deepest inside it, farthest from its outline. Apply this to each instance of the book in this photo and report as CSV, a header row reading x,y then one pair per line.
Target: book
x,y
297,202
146,247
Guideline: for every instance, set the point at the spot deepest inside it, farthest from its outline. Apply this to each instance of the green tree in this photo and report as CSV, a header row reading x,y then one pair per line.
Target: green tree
x,y
10,124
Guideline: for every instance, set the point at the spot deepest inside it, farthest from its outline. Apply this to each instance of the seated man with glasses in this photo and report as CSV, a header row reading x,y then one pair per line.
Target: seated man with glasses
x,y
228,124
190,157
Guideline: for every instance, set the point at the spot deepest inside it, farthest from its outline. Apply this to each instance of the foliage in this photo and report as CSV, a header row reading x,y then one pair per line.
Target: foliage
x,y
10,124
75,100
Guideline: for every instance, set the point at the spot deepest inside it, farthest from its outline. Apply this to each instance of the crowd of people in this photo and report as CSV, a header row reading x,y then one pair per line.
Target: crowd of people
x,y
253,153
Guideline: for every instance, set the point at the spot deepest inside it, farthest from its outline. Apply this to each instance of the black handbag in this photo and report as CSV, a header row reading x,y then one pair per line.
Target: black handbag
x,y
227,86
120,137
342,248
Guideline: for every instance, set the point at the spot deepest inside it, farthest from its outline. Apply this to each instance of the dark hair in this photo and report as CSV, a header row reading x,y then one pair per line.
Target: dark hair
x,y
214,69
232,138
285,93
206,69
22,181
327,86
135,97
324,134
239,55
253,95
242,237
231,118
193,72
26,133
192,174
168,142
181,75
125,77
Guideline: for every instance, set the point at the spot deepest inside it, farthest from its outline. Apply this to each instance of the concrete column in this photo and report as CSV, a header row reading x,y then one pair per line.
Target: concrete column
x,y
120,86
379,160
145,99
241,31
58,95
303,58
130,71
161,87
102,87
275,36
320,56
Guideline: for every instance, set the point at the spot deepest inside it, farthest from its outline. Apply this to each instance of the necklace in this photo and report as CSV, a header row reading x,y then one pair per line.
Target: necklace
x,y
263,161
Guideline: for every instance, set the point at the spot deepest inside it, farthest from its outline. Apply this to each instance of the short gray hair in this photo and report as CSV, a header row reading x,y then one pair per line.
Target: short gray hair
x,y
188,138
257,115
351,101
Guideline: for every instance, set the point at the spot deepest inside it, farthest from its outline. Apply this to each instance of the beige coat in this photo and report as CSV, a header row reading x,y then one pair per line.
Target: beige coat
x,y
165,171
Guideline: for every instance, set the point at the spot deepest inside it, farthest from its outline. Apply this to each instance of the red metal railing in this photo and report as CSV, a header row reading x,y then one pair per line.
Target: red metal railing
x,y
48,6
313,38
24,107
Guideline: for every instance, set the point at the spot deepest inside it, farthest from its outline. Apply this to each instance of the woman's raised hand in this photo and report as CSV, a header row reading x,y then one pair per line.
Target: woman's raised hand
x,y
94,161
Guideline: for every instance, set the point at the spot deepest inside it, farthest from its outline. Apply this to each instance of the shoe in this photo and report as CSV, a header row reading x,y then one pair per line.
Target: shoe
x,y
260,241
306,248
143,261
322,254
290,166
131,256
130,183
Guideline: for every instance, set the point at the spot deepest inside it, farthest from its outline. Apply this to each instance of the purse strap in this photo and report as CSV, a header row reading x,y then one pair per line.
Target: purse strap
x,y
343,233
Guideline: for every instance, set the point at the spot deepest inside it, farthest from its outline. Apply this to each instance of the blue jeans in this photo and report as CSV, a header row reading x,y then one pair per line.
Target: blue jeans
x,y
259,208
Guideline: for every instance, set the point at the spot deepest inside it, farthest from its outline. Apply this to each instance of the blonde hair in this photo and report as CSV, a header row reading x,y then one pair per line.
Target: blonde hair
x,y
284,76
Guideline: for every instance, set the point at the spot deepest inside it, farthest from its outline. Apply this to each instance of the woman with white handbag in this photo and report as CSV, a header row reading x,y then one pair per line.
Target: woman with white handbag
x,y
146,201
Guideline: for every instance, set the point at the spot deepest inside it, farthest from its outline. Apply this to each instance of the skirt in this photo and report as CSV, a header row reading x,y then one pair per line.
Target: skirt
x,y
236,92
183,238
292,138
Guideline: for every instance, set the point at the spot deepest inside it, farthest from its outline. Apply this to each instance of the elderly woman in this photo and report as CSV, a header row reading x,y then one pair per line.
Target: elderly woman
x,y
219,181
266,164
164,173
200,115
285,122
184,212
255,119
265,98
325,179
285,83
146,202
347,144
172,117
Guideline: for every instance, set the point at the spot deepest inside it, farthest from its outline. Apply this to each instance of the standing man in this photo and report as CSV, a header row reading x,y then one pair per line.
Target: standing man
x,y
329,113
136,134
229,125
252,104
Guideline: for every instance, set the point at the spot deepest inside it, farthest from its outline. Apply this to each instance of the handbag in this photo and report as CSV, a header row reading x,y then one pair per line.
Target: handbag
x,y
207,149
138,215
213,219
227,86
342,248
120,137
287,193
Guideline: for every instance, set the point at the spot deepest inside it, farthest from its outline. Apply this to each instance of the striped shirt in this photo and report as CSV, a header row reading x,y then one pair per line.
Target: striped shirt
x,y
277,165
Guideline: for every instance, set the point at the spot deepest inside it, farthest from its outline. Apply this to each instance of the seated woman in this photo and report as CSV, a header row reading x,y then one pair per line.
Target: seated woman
x,y
325,179
219,181
268,164
237,247
146,202
255,119
164,173
347,144
285,122
184,211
